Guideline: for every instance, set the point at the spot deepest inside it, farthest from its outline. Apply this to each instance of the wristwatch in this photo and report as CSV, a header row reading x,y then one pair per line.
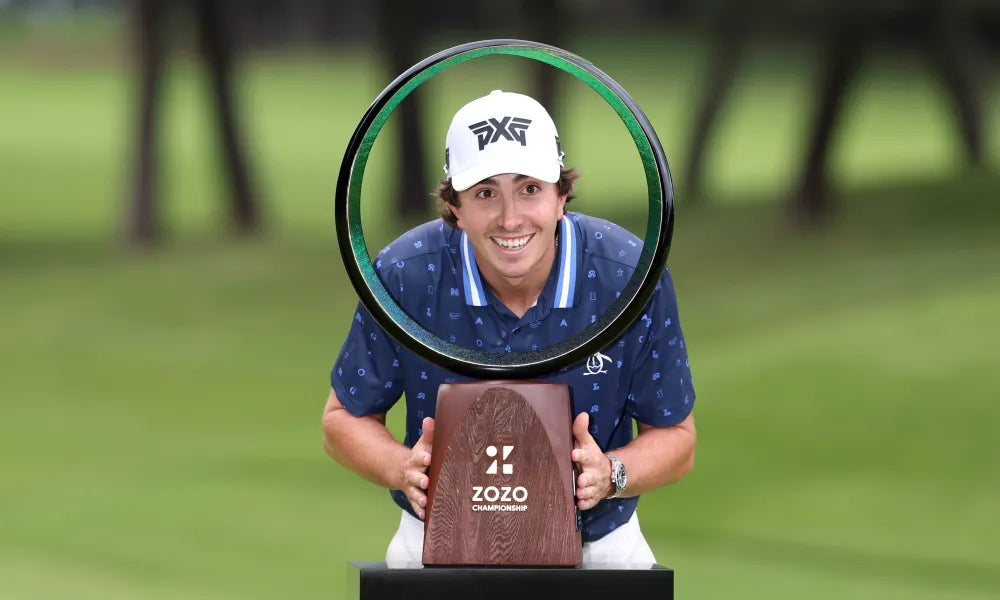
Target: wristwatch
x,y
619,478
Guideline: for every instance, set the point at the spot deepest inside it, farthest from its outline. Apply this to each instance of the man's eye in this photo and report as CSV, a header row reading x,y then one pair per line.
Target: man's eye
x,y
532,188
485,193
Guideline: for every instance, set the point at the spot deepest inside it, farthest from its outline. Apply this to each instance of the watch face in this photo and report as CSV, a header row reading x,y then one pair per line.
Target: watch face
x,y
620,476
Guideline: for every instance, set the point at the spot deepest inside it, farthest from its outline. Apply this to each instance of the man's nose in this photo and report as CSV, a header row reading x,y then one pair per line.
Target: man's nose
x,y
510,217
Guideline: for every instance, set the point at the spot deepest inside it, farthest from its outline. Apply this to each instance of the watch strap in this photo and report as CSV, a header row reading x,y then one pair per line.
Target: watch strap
x,y
617,468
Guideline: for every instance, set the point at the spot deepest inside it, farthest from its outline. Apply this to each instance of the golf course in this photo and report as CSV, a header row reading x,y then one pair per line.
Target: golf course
x,y
160,407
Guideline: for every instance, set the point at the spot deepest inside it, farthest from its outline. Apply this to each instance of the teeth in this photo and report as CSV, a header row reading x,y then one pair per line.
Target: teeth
x,y
512,244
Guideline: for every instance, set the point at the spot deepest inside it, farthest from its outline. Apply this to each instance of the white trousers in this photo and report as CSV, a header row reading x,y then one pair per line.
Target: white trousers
x,y
625,547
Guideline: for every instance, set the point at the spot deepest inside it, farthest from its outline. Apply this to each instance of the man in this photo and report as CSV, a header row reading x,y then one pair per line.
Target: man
x,y
507,269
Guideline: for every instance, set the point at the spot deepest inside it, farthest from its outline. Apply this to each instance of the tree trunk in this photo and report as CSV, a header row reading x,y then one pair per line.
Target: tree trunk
x,y
398,25
953,55
217,45
731,33
842,52
142,224
545,25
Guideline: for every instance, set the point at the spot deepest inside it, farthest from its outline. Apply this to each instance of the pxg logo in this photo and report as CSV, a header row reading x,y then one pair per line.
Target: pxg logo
x,y
509,128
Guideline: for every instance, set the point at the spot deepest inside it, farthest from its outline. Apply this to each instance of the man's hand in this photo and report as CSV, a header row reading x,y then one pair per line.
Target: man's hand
x,y
415,480
594,482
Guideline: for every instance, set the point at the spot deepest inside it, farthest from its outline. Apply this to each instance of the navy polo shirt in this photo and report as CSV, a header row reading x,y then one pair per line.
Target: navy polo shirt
x,y
431,272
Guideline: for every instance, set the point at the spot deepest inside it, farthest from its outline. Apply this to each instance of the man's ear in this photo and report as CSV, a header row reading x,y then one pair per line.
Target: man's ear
x,y
454,211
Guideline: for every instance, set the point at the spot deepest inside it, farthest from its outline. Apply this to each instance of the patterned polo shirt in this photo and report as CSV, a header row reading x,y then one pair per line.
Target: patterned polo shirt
x,y
431,272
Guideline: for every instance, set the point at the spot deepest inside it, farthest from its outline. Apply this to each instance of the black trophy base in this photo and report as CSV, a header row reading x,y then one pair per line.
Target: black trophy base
x,y
376,581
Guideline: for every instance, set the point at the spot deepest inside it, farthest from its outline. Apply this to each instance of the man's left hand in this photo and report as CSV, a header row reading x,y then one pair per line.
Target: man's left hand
x,y
594,482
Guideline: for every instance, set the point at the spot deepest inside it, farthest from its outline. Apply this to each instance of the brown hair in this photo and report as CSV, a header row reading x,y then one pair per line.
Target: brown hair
x,y
446,194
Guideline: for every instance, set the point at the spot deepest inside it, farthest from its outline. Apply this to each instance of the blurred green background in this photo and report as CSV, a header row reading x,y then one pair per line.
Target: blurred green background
x,y
160,407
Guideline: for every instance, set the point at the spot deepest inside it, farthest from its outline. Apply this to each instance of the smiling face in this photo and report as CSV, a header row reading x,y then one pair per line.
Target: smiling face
x,y
511,223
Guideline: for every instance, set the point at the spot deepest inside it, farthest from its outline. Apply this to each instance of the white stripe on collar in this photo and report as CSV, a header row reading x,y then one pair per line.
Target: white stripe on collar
x,y
566,288
475,295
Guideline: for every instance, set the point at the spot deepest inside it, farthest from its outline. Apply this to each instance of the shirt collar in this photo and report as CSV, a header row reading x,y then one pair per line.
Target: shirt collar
x,y
567,259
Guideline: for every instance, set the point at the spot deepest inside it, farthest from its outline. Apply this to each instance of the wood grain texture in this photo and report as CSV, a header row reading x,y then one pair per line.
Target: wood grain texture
x,y
480,513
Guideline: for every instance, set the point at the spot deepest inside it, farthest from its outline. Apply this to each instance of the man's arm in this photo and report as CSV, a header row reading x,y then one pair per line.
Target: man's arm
x,y
365,446
656,457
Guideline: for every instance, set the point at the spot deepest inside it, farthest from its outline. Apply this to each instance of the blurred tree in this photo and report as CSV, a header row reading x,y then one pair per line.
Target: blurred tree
x,y
544,23
150,24
399,26
940,28
729,38
941,32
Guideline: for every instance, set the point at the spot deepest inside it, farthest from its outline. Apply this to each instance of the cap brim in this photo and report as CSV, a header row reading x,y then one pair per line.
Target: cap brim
x,y
470,177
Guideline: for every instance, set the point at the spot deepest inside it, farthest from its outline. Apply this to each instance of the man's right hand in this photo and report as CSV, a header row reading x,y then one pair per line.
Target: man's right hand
x,y
415,480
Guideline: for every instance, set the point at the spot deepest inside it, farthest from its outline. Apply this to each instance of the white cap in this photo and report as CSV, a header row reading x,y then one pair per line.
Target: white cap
x,y
501,133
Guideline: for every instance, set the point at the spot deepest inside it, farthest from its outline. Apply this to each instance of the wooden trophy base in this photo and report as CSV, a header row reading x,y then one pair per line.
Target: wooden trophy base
x,y
501,479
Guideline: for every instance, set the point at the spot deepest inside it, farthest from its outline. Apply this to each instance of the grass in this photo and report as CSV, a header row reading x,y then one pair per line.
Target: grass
x,y
159,433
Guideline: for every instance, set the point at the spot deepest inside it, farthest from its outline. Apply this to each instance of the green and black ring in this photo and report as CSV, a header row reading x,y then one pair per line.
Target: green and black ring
x,y
505,365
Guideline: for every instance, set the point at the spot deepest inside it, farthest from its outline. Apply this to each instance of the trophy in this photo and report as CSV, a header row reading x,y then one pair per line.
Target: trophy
x,y
502,484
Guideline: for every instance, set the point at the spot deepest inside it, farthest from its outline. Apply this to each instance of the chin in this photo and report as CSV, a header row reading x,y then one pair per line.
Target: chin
x,y
512,270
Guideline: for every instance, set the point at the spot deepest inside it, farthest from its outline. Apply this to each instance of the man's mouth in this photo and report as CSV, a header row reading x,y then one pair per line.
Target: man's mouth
x,y
512,243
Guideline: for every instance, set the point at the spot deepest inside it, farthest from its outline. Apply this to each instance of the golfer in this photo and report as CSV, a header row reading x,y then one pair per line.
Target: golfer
x,y
508,269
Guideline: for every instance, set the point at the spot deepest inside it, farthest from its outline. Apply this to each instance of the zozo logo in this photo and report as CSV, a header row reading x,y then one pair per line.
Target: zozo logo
x,y
491,451
499,498
493,493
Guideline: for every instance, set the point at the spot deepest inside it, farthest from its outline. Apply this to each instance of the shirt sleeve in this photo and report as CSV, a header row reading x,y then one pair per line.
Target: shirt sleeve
x,y
660,392
367,377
